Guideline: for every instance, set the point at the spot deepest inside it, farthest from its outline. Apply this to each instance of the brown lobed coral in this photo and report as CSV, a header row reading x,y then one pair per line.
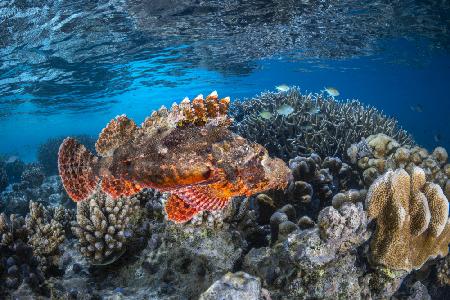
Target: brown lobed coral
x,y
377,153
412,219
317,123
105,225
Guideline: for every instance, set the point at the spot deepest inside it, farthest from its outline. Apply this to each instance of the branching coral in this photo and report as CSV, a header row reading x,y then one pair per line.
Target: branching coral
x,y
45,235
17,262
104,226
323,124
412,219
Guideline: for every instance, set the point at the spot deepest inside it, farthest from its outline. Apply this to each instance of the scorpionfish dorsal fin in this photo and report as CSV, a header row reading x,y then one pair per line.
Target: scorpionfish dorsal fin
x,y
118,132
198,112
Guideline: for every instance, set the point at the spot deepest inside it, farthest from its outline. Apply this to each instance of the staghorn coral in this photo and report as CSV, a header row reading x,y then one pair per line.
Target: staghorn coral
x,y
412,219
317,124
375,154
104,226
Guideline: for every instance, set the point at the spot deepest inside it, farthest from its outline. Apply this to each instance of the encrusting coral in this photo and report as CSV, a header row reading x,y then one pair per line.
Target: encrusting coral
x,y
104,225
316,124
412,219
377,153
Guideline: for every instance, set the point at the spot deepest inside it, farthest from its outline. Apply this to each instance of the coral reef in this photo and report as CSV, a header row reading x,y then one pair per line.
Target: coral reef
x,y
47,153
3,177
321,262
17,263
316,181
50,193
29,248
317,124
412,219
375,154
105,225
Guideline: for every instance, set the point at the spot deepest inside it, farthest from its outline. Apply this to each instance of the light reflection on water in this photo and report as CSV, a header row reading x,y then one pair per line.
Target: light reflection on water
x,y
67,67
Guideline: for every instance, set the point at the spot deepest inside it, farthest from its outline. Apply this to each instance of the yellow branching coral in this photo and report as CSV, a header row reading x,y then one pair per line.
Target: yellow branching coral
x,y
412,219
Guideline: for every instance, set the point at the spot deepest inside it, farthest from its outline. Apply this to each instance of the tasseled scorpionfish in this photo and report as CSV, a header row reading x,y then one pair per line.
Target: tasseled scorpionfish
x,y
187,151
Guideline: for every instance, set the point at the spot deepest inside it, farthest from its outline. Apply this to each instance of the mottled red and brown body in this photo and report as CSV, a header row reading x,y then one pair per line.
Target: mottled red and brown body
x,y
187,151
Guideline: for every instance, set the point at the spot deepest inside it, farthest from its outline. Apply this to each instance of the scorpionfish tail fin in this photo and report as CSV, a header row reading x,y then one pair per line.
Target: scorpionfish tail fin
x,y
116,188
178,210
77,169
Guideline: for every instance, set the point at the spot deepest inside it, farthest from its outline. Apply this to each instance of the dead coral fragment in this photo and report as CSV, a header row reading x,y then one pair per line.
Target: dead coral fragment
x,y
412,219
103,225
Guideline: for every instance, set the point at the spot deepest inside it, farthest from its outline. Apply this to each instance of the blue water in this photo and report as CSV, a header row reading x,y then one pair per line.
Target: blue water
x,y
73,68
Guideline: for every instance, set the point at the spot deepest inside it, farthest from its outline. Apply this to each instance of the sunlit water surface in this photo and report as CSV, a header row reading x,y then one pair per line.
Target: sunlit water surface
x,y
68,67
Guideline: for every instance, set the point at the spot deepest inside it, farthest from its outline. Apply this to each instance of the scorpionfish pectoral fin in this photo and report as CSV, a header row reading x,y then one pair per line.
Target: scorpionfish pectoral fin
x,y
119,187
178,210
185,203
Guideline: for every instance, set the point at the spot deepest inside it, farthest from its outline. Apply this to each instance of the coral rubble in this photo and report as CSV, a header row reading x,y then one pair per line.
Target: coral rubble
x,y
412,219
317,124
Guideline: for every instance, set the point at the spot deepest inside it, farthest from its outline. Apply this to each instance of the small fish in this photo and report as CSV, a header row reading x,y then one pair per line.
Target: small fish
x,y
265,114
11,159
333,92
314,110
437,137
285,110
416,108
282,88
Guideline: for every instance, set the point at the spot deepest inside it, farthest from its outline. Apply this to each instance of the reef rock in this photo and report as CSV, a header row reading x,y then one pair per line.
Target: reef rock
x,y
234,286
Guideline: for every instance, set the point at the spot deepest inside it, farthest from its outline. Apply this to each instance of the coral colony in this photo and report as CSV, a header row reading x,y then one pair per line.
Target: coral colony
x,y
353,207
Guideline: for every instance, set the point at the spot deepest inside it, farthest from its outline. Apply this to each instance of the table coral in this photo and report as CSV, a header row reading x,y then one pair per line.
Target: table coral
x,y
412,219
317,124
104,226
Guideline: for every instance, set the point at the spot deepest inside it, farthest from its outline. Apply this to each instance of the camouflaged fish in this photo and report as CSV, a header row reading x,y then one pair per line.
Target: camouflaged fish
x,y
187,151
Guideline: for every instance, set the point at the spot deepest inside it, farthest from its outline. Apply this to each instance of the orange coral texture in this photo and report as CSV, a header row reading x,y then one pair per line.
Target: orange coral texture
x,y
187,151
